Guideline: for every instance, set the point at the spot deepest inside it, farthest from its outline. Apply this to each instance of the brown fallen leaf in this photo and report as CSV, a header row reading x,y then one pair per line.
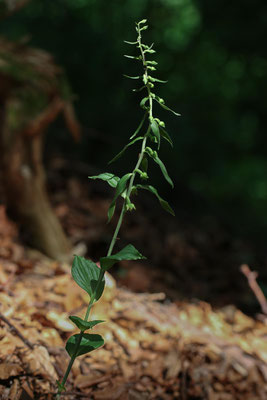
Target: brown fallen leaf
x,y
15,391
173,363
114,392
39,363
85,381
8,370
60,321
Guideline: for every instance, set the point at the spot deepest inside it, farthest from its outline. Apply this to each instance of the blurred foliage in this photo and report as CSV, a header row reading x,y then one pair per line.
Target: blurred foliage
x,y
32,85
215,59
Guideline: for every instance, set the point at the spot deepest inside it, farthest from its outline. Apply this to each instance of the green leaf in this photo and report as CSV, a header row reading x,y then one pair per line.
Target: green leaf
x,y
84,325
86,274
111,179
139,127
164,204
132,77
167,108
123,150
126,41
88,343
128,253
154,155
143,102
157,80
155,130
119,190
132,57
165,135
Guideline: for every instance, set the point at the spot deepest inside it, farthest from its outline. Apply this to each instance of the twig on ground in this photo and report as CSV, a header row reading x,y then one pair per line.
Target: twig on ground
x,y
16,332
252,281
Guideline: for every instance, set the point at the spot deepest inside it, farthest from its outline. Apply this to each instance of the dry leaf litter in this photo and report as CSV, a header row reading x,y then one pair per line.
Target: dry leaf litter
x,y
154,349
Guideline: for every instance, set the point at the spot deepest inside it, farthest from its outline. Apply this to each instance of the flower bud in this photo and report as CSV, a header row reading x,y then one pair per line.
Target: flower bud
x,y
130,207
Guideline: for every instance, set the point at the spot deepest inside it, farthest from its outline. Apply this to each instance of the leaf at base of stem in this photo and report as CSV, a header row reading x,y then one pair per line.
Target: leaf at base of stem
x,y
89,342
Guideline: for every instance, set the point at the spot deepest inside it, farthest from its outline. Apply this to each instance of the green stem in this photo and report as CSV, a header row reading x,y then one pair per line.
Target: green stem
x,y
139,40
102,272
65,377
116,232
77,345
128,194
118,226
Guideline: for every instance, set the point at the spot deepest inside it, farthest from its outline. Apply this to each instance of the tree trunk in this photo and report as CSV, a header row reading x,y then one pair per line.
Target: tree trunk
x,y
24,184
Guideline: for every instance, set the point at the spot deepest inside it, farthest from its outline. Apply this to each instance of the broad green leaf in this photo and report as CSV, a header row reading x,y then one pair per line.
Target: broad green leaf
x,y
164,204
128,253
119,190
111,179
165,135
84,325
123,150
132,77
139,127
143,102
154,155
88,343
167,108
155,130
86,274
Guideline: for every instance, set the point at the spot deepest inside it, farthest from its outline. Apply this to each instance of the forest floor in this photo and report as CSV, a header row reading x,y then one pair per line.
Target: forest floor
x,y
161,341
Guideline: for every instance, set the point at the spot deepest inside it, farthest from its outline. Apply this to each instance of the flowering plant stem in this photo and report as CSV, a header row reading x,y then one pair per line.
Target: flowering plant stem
x,y
101,275
85,272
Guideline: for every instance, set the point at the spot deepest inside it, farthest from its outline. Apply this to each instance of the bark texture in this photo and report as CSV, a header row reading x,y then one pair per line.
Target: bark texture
x,y
31,97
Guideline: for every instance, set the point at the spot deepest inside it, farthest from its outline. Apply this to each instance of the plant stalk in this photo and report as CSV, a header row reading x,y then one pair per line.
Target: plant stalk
x,y
102,272
118,226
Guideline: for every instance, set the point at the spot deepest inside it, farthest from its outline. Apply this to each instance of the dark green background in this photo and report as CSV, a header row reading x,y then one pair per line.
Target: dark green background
x,y
213,54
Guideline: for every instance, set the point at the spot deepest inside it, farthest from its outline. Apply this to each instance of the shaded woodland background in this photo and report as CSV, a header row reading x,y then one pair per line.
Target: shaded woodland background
x,y
214,57
178,324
